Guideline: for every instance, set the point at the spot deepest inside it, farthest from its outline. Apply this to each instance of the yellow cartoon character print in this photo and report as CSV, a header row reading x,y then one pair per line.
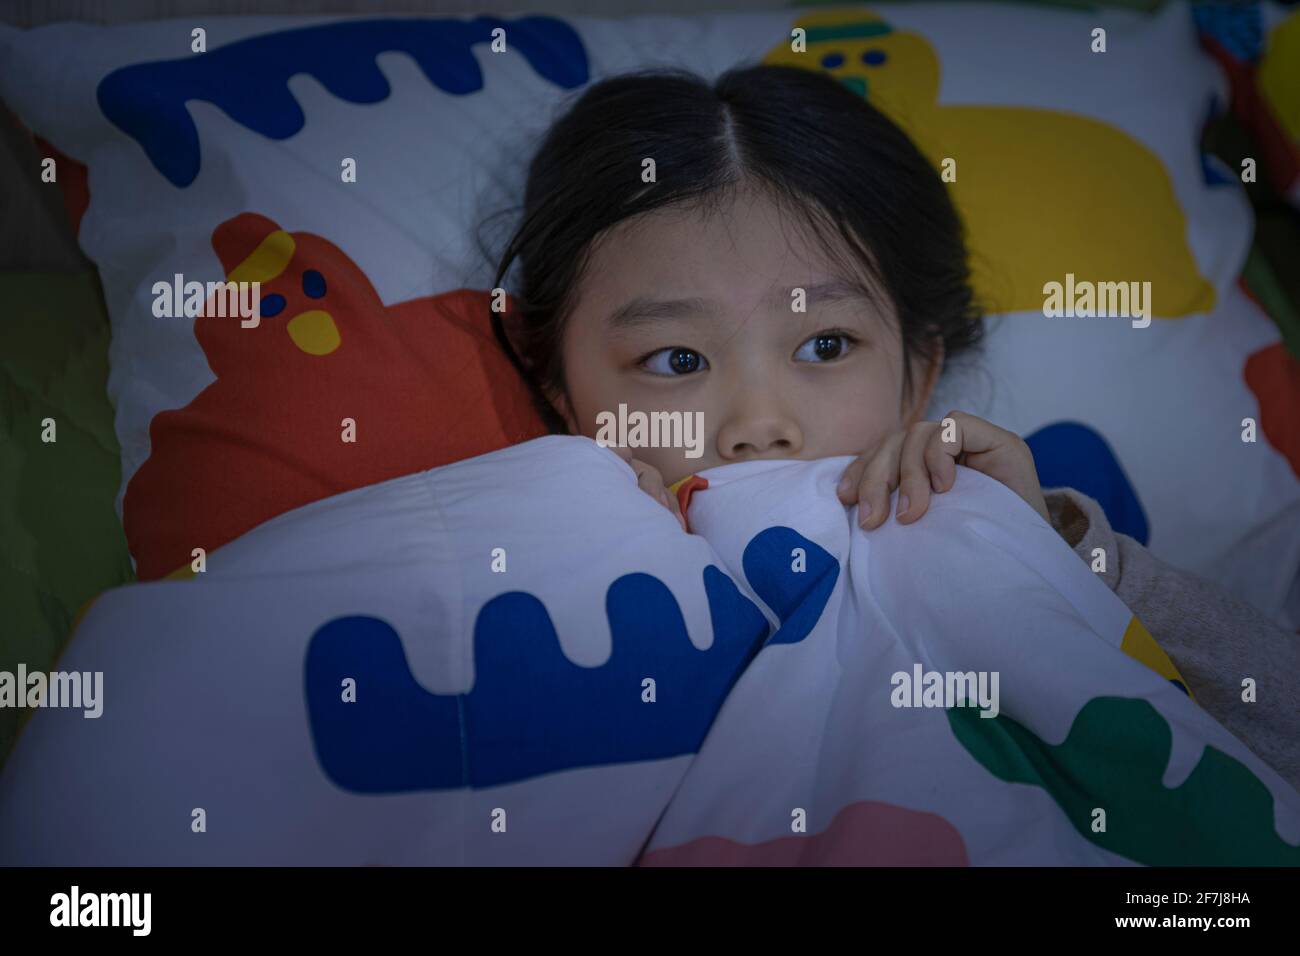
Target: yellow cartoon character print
x,y
1043,194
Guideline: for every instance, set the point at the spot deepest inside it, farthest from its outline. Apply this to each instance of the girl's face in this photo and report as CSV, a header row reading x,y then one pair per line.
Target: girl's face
x,y
679,312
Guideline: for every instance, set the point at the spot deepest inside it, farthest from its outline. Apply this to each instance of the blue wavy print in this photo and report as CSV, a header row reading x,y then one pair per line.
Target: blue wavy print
x,y
248,79
531,710
797,598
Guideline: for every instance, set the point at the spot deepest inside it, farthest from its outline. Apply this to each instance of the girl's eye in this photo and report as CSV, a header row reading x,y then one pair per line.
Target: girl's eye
x,y
674,361
824,347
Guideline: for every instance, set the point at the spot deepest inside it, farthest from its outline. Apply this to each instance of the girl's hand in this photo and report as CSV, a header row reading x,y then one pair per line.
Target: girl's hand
x,y
918,459
651,482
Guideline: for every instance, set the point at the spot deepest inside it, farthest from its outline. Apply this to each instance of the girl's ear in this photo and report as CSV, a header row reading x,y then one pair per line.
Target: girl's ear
x,y
925,376
556,399
560,402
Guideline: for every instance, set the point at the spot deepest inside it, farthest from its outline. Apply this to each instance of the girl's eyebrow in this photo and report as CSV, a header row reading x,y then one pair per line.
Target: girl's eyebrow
x,y
644,310
834,290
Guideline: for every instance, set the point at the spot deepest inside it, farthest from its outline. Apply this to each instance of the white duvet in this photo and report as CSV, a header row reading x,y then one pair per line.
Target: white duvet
x,y
521,658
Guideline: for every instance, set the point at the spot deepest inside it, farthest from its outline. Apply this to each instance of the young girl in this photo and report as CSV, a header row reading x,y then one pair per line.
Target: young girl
x,y
773,252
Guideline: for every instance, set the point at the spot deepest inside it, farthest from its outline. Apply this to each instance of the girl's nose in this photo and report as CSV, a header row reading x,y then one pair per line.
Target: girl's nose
x,y
759,434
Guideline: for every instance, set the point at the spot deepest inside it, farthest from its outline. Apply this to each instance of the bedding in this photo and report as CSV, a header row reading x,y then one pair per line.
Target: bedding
x,y
384,164
1258,44
438,669
1279,80
61,542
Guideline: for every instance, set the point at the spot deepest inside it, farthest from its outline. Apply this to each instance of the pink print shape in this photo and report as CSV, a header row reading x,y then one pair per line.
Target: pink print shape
x,y
867,833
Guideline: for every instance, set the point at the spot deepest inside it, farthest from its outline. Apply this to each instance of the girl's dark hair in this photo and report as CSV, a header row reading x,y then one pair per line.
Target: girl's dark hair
x,y
839,165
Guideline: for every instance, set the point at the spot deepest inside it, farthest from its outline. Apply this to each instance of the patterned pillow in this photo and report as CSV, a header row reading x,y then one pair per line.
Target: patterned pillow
x,y
360,157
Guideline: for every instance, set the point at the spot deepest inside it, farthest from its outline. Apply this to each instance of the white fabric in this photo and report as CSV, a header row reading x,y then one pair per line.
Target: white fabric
x,y
208,684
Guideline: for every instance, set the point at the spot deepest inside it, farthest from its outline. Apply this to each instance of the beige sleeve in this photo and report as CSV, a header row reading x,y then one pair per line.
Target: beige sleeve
x,y
1215,640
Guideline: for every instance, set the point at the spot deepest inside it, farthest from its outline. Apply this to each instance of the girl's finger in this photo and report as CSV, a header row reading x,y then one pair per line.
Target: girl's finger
x,y
651,482
847,489
942,453
1002,455
879,478
913,475
977,437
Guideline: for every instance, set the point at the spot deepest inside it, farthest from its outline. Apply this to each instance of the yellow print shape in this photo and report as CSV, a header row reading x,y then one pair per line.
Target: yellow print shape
x,y
1042,193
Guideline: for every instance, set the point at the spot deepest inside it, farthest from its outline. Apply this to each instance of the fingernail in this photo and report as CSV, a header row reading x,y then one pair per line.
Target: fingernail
x,y
934,482
864,511
902,504
843,486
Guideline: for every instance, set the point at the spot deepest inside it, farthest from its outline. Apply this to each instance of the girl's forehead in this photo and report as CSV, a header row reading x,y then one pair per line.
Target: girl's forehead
x,y
644,310
749,244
